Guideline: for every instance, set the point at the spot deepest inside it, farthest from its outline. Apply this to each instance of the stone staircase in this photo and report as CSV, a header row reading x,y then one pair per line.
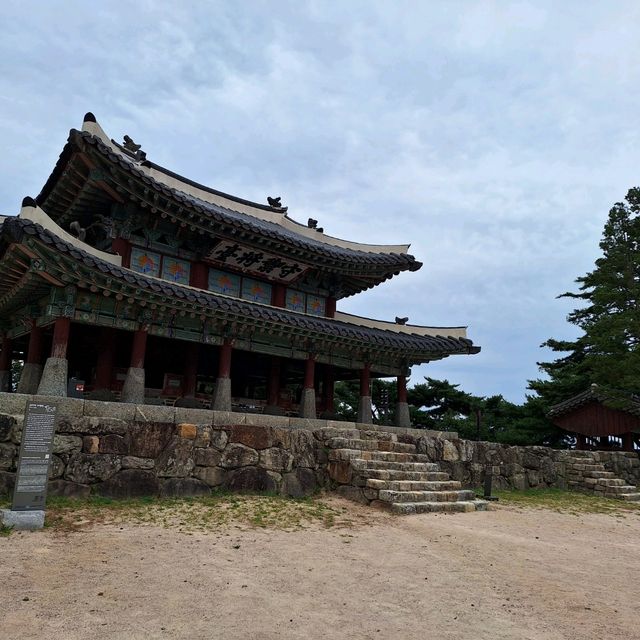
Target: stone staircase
x,y
586,475
373,467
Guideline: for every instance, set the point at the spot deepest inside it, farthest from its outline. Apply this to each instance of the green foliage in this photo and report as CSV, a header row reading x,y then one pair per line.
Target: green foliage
x,y
607,351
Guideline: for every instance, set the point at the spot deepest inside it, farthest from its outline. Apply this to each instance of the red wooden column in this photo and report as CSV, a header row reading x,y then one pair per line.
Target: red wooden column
x,y
364,407
106,354
54,375
222,395
192,352
5,363
279,295
627,442
199,275
403,418
32,369
581,442
327,388
308,399
133,388
330,308
273,385
61,330
123,248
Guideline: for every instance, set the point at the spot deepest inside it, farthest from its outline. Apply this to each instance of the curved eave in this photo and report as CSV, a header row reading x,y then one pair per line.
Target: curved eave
x,y
124,180
413,348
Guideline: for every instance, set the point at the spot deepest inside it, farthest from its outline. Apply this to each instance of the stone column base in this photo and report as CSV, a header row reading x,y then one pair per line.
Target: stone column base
x,y
364,410
403,419
222,395
308,404
30,378
54,378
5,381
133,388
22,520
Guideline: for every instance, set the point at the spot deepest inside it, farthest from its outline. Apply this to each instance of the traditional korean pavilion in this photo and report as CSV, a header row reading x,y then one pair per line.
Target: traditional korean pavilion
x,y
123,278
600,419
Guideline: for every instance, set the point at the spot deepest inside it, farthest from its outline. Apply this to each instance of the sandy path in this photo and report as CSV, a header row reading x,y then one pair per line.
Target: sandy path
x,y
501,574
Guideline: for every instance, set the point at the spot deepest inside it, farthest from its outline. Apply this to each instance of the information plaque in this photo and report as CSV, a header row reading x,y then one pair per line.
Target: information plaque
x,y
35,457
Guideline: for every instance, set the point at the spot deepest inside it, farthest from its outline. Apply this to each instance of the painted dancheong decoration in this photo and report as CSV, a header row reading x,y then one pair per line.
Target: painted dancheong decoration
x,y
142,285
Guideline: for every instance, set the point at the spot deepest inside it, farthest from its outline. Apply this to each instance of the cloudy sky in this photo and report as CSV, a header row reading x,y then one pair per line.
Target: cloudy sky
x,y
493,136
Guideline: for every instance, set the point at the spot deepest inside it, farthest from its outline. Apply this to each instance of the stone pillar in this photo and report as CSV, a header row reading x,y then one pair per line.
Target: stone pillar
x,y
5,363
273,387
192,351
222,394
402,408
364,407
106,354
32,370
308,399
54,377
133,388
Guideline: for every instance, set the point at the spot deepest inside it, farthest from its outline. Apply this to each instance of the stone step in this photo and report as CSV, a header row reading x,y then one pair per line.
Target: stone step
x,y
395,475
610,482
386,465
624,488
586,467
425,496
580,454
378,435
370,445
631,497
387,456
406,508
599,474
414,485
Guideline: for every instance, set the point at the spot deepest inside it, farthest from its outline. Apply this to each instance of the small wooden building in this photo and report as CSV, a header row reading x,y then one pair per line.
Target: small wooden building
x,y
126,278
600,420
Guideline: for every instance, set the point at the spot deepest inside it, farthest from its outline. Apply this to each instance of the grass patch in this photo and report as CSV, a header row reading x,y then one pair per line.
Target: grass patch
x,y
565,501
220,510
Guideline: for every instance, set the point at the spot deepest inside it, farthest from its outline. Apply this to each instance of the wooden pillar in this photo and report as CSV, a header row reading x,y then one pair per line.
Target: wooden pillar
x,y
32,369
123,248
106,354
139,348
327,388
279,295
199,275
273,383
581,442
133,388
54,375
308,399
192,352
222,396
403,418
364,407
330,307
627,441
5,363
61,330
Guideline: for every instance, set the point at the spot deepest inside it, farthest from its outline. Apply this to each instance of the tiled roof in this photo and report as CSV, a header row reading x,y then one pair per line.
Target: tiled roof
x,y
391,262
16,228
627,402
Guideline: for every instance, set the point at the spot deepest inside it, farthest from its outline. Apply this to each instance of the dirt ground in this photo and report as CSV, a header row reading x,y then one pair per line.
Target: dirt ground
x,y
509,573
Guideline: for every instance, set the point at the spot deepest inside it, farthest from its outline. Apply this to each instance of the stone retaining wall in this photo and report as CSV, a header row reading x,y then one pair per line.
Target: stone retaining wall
x,y
515,467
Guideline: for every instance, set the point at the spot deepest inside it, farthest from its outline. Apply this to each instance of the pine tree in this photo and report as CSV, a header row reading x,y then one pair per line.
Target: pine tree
x,y
607,353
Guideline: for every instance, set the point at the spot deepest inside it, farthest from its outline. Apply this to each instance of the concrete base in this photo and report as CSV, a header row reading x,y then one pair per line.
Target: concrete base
x,y
30,378
403,419
222,395
5,379
308,404
364,410
22,520
54,378
133,388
